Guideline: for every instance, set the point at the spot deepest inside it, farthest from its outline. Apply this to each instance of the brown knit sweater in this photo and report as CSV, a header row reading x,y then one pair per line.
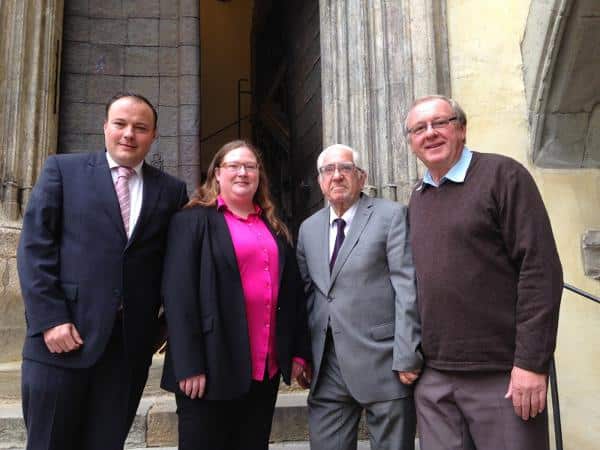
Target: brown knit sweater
x,y
489,278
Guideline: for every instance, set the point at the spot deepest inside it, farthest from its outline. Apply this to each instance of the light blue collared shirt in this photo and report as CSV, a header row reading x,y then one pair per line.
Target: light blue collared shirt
x,y
457,172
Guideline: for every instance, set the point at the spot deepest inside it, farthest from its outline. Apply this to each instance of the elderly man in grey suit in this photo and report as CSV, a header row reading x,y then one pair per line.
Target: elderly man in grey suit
x,y
355,259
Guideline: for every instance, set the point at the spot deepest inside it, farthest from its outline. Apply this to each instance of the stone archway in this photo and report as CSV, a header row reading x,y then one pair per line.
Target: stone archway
x,y
561,65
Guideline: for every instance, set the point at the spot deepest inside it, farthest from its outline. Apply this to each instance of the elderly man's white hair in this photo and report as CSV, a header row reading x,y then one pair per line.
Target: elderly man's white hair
x,y
355,155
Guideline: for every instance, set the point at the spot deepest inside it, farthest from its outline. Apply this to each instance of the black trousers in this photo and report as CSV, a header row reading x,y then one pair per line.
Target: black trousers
x,y
240,424
82,409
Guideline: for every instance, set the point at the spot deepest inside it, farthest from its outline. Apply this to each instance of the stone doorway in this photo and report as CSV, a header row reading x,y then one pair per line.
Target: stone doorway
x,y
261,80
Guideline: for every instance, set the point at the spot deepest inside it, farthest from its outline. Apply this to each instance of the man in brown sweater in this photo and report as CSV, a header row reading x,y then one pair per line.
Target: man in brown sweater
x,y
489,284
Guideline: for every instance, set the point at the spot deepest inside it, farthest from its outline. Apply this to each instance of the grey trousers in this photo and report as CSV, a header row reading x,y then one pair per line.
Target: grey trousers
x,y
467,411
333,414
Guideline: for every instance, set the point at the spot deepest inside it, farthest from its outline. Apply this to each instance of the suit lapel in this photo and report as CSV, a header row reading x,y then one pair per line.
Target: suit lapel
x,y
105,190
150,196
219,232
281,248
320,246
361,217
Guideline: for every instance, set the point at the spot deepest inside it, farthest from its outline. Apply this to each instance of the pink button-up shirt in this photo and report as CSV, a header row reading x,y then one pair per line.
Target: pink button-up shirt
x,y
258,261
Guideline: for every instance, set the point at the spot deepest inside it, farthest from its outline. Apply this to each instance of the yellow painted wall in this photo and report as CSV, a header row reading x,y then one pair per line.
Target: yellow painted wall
x,y
487,80
225,57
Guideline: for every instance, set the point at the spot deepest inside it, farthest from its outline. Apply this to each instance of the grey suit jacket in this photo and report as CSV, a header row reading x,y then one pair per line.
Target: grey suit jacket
x,y
369,298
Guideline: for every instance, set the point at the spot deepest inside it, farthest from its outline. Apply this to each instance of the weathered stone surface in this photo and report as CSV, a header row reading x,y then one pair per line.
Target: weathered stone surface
x,y
168,94
77,29
12,427
168,150
167,10
189,119
94,142
190,149
592,139
141,61
76,57
189,8
189,90
168,63
590,252
12,316
106,8
9,239
147,86
190,60
142,32
168,33
103,87
561,60
108,31
162,424
77,7
360,108
106,59
142,8
189,31
167,122
74,87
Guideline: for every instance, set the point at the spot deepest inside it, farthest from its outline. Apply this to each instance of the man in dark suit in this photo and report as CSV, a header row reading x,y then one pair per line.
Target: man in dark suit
x,y
90,261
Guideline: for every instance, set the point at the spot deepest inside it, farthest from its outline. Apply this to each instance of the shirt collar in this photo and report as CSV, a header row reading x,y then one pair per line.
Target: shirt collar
x,y
347,216
456,174
222,206
112,164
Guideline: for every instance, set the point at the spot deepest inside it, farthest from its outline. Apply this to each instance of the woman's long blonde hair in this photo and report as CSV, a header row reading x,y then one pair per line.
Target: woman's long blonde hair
x,y
207,193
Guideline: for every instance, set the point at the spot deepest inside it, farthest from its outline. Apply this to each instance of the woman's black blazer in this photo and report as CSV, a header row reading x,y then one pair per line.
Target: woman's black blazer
x,y
205,309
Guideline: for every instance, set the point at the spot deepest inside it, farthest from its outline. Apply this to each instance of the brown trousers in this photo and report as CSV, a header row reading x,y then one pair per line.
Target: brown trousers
x,y
468,411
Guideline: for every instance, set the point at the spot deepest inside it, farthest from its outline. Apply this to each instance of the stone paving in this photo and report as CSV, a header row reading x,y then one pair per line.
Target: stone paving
x,y
155,425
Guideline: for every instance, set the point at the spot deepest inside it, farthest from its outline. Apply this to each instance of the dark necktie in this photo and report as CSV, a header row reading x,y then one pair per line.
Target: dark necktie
x,y
339,240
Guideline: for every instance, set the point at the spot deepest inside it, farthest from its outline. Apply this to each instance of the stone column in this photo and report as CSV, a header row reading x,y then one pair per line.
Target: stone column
x,y
29,58
376,57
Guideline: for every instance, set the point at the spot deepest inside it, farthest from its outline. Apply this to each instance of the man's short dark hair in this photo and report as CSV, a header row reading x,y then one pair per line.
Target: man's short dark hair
x,y
138,97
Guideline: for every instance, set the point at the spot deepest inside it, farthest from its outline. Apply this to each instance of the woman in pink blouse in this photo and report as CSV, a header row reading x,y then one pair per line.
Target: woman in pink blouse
x,y
235,307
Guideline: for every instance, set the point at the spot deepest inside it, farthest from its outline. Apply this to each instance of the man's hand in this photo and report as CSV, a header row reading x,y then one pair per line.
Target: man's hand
x,y
194,386
302,375
409,377
528,391
62,338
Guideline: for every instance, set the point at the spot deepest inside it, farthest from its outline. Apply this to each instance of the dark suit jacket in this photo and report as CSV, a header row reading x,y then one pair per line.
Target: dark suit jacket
x,y
206,313
76,264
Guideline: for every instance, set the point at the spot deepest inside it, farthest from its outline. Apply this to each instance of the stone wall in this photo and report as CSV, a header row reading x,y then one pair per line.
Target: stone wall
x,y
150,47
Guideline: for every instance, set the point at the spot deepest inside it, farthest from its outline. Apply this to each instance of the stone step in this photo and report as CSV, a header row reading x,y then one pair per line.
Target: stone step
x,y
155,424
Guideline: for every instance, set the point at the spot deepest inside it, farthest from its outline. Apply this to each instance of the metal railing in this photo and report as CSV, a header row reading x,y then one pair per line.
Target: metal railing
x,y
558,439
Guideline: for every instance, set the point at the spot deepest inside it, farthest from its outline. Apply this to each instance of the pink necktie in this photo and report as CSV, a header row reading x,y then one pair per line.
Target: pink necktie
x,y
122,188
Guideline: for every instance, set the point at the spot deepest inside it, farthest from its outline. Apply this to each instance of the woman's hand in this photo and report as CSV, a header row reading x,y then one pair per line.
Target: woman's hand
x,y
302,374
194,386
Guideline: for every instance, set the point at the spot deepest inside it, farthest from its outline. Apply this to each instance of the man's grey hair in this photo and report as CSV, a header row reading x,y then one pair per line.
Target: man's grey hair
x,y
461,117
355,155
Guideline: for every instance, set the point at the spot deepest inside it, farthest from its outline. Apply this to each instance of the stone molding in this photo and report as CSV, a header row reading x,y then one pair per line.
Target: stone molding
x,y
29,57
377,56
560,67
590,253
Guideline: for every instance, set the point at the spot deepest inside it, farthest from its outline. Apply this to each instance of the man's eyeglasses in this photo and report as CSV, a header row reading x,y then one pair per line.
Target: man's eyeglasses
x,y
343,168
437,124
235,167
